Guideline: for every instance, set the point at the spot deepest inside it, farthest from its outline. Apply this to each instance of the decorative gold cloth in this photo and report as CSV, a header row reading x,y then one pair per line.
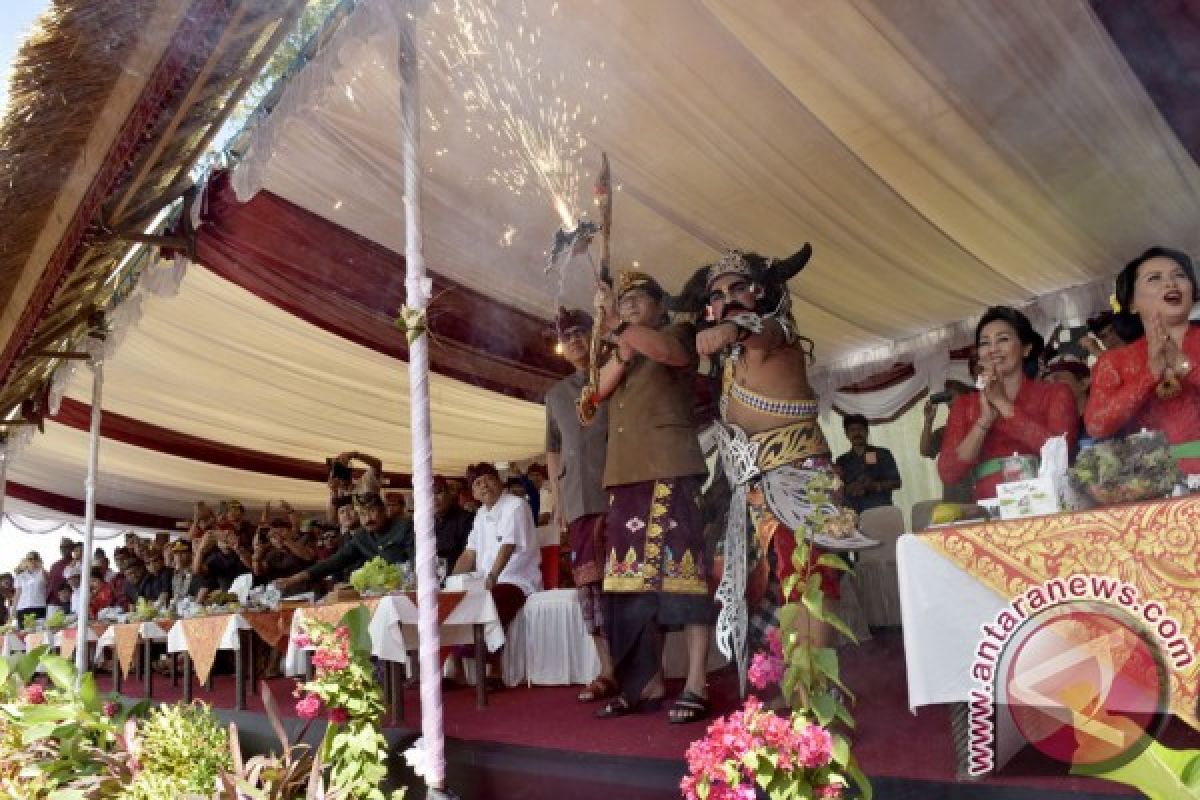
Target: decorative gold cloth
x,y
126,638
271,626
202,635
1154,547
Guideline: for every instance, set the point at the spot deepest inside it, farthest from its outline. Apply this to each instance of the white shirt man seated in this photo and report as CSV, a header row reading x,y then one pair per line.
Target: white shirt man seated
x,y
503,546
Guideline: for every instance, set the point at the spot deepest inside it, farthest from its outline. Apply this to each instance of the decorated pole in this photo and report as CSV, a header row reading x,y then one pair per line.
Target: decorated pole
x,y
412,321
89,524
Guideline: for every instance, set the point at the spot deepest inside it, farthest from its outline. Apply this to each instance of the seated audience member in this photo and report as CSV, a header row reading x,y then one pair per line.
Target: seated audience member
x,y
283,552
220,559
7,593
117,581
204,519
392,541
869,472
1154,381
76,594
342,485
75,565
931,439
133,544
517,488
1012,414
1072,373
55,576
101,593
536,474
136,584
503,546
397,507
235,518
61,601
329,541
158,577
1102,335
100,559
182,577
452,524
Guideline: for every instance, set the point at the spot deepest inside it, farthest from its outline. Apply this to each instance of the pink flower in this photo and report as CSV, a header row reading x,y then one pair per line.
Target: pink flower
x,y
339,716
331,660
309,707
342,632
765,670
35,694
775,643
111,709
302,641
816,746
830,791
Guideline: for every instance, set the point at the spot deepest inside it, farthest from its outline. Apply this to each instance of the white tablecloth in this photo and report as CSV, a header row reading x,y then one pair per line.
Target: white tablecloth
x,y
11,644
393,628
146,630
943,608
548,642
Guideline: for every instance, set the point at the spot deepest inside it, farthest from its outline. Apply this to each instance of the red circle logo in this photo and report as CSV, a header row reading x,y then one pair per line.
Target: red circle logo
x,y
1084,686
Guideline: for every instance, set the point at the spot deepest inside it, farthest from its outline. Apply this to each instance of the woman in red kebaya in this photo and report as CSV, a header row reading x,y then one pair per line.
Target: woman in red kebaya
x,y
1152,382
1012,413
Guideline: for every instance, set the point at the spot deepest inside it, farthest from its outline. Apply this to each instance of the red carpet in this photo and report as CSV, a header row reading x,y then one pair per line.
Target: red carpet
x,y
890,741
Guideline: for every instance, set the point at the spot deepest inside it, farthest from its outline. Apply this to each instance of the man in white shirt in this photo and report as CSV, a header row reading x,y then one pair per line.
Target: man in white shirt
x,y
503,546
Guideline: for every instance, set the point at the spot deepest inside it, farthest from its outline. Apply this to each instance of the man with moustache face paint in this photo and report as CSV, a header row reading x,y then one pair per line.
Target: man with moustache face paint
x,y
772,449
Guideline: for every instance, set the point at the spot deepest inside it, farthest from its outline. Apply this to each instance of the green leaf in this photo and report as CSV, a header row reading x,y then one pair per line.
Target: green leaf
x,y
27,664
841,749
358,620
825,707
88,694
1158,772
60,671
860,780
826,661
833,561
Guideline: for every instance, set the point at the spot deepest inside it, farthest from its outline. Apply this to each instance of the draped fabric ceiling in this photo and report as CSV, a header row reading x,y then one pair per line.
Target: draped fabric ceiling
x,y
940,157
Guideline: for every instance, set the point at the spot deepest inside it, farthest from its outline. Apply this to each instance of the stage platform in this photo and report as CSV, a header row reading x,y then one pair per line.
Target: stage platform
x,y
540,744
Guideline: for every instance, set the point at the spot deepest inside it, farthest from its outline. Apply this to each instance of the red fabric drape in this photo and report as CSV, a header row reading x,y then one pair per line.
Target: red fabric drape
x,y
120,428
353,288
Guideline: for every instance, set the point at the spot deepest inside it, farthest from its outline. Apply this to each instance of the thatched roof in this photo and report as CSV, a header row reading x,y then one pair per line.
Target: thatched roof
x,y
111,105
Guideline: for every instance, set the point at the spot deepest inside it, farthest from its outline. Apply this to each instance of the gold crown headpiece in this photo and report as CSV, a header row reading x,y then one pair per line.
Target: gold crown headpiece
x,y
734,262
631,279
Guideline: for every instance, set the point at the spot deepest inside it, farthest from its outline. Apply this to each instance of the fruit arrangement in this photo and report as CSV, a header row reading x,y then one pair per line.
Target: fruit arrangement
x,y
1136,467
377,575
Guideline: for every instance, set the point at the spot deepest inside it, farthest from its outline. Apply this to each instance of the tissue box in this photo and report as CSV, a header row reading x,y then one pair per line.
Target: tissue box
x,y
1028,498
469,582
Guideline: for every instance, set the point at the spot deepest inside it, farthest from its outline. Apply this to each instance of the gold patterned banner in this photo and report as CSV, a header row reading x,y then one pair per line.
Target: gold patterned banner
x,y
126,637
271,626
202,635
333,613
1154,547
67,646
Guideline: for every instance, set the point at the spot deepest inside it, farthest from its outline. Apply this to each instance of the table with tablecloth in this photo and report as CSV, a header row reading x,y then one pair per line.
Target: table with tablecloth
x,y
954,580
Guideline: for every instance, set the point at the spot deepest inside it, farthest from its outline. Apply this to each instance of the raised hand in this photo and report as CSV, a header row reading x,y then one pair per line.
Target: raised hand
x,y
716,338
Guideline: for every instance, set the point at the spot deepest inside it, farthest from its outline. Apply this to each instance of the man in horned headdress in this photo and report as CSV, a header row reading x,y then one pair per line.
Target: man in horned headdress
x,y
654,575
772,448
575,456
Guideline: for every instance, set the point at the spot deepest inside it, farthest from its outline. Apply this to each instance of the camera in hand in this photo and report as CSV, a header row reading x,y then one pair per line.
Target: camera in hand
x,y
941,397
338,470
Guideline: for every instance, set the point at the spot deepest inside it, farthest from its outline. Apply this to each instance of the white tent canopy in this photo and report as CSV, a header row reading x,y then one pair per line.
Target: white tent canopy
x,y
940,157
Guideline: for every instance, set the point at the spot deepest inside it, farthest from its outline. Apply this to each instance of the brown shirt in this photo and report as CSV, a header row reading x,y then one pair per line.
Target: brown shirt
x,y
651,433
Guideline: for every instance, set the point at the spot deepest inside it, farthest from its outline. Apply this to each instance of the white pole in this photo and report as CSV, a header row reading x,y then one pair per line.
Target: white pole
x,y
89,525
417,288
